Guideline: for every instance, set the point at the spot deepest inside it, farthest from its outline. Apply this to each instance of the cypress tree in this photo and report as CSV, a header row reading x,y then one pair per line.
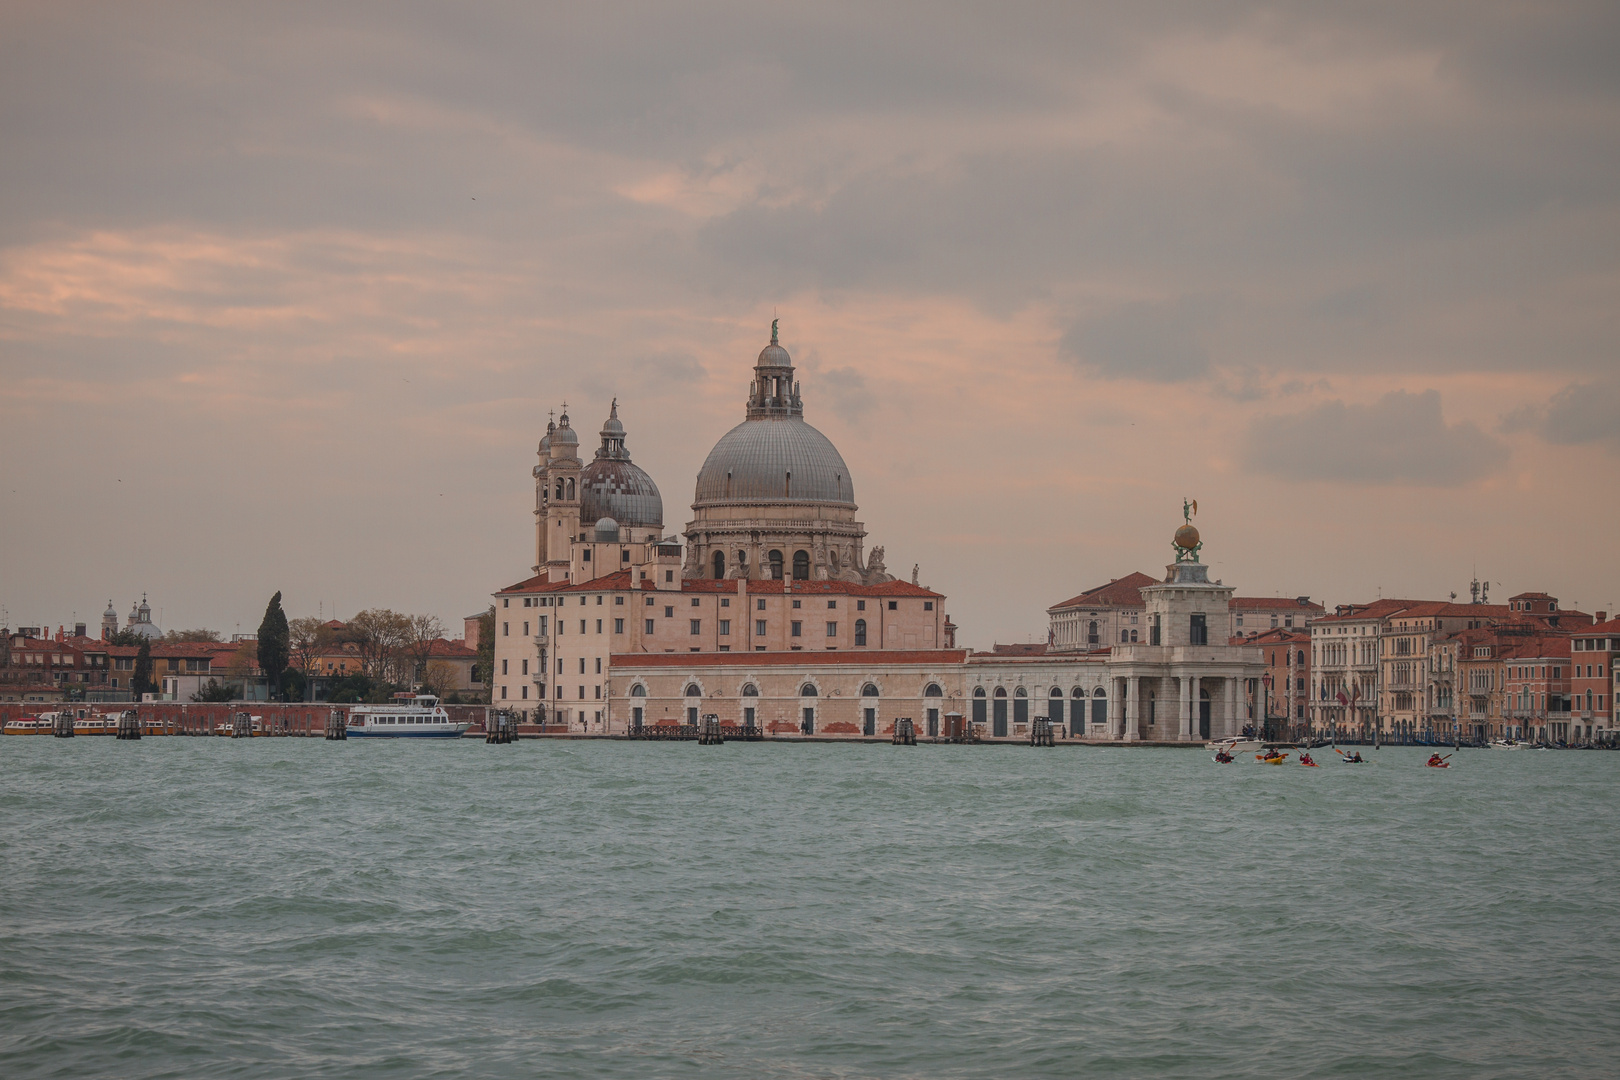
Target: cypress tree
x,y
142,681
274,644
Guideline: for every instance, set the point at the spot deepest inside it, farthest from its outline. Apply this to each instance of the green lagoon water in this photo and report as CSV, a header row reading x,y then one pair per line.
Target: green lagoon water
x,y
297,908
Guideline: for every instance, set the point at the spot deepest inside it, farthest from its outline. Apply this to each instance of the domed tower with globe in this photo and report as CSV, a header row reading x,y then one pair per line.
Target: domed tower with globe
x,y
774,499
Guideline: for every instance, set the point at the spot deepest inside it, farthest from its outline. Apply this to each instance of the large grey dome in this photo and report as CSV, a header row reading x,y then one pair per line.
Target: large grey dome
x,y
778,459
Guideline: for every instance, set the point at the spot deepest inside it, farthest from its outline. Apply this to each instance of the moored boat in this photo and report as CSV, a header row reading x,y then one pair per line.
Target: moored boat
x,y
29,725
1234,746
1508,744
422,717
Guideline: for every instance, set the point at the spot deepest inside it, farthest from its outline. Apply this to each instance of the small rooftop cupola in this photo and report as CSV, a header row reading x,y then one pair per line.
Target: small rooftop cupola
x,y
774,392
564,440
612,447
545,440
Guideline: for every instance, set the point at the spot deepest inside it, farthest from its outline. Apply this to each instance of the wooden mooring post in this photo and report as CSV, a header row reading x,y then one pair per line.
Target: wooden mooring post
x,y
129,725
337,726
500,728
1040,732
709,733
905,732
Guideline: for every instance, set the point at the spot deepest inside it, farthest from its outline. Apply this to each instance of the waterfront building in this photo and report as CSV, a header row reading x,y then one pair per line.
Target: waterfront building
x,y
1113,614
1286,684
1593,681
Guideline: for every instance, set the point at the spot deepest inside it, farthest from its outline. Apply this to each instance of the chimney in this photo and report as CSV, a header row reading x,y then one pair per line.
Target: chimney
x,y
1603,616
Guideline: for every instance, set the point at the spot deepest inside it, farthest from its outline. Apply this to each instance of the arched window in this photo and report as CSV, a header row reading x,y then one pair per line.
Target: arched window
x,y
1099,706
1091,633
1021,706
869,690
776,565
981,715
933,690
750,690
860,631
570,489
692,690
978,691
638,691
998,713
1302,657
559,489
1001,691
719,564
807,690
1054,705
801,566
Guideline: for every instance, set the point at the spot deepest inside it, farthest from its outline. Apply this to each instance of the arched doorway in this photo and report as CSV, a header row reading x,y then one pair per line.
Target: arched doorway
x,y
807,709
750,716
1054,708
933,691
998,715
980,707
869,700
1021,706
638,711
1204,704
1099,706
694,698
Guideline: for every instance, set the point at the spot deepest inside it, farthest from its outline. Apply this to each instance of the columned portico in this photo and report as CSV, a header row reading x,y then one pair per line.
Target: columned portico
x,y
1133,712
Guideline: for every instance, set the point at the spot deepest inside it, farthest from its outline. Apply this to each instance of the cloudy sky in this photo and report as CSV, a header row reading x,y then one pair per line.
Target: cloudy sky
x,y
287,291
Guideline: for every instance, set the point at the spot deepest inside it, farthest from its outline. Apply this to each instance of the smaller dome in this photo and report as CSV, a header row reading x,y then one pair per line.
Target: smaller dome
x,y
773,355
109,613
564,435
1186,538
607,531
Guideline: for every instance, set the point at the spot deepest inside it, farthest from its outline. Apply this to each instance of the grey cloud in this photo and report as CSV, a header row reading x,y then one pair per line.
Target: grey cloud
x,y
1155,341
1402,438
1580,413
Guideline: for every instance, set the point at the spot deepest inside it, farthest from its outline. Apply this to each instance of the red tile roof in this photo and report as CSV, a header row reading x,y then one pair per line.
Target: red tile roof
x,y
1121,592
1273,603
831,658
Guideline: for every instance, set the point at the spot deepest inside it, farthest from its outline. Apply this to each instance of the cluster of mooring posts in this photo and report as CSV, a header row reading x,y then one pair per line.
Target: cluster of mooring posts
x,y
905,732
129,725
709,733
337,726
1040,733
63,727
501,727
242,725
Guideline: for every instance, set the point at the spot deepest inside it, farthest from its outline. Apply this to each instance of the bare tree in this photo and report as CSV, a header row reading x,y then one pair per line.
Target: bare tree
x,y
425,630
439,678
309,637
381,637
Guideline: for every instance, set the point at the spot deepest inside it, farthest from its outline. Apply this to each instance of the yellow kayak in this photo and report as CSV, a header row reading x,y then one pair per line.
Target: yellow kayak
x,y
1275,760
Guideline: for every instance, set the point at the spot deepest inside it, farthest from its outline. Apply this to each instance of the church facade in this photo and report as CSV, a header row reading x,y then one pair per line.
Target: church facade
x,y
768,610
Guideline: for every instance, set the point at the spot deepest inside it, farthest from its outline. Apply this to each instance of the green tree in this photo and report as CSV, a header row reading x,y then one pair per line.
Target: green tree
x,y
273,647
485,671
126,636
215,691
142,682
192,635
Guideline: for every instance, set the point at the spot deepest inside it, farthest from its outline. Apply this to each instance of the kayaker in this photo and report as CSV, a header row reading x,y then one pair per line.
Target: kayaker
x,y
1357,758
1435,759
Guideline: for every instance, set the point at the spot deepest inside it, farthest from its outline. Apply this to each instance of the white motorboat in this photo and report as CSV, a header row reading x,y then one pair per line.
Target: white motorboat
x,y
420,718
1508,744
1235,746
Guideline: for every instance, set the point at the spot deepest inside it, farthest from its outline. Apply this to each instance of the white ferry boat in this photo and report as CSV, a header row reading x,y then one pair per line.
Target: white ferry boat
x,y
29,725
420,718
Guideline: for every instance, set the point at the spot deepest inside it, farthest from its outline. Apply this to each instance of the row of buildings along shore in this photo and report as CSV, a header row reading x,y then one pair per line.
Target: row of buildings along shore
x,y
769,611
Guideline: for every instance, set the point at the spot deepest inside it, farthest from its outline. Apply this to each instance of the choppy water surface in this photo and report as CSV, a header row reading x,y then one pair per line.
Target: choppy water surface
x,y
290,907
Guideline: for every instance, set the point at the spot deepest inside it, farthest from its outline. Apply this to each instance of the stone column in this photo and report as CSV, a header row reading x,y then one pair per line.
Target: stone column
x,y
1229,724
1197,708
1184,717
1133,708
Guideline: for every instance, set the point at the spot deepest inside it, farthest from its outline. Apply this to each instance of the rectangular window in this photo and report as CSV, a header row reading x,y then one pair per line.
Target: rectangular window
x,y
582,666
669,611
797,603
1198,630
506,601
506,629
832,629
697,626
725,601
618,626
523,691
598,626
503,693
759,628
562,627
832,605
649,601
649,626
503,667
582,693
694,601
860,605
526,601
798,629
598,689
928,605
525,667
725,627
599,665
619,600
598,599
525,628
582,622
759,605
894,605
